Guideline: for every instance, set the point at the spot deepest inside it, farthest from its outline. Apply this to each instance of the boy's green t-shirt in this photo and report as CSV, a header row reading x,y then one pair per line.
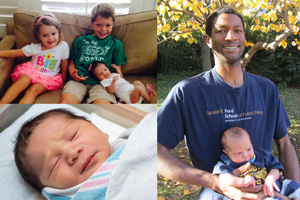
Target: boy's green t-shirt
x,y
89,48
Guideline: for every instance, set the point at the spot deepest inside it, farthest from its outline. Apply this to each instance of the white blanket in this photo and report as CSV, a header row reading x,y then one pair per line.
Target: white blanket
x,y
134,177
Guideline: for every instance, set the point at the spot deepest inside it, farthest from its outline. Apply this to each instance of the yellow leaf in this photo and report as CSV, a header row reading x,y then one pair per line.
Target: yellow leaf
x,y
165,28
196,10
204,9
177,37
166,179
254,5
186,192
294,43
290,13
213,6
195,41
176,17
257,21
190,41
263,29
283,43
161,198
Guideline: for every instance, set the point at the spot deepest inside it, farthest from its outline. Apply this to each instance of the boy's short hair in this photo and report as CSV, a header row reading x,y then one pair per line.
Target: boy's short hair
x,y
104,10
27,171
216,13
234,132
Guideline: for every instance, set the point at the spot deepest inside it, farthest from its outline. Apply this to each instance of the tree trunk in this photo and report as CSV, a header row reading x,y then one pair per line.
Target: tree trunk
x,y
205,55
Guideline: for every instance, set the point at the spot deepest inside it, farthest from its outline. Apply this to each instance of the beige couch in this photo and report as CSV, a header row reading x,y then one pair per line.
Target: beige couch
x,y
136,31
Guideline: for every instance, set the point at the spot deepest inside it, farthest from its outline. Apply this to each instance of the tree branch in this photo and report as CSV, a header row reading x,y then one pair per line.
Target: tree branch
x,y
183,11
178,33
270,46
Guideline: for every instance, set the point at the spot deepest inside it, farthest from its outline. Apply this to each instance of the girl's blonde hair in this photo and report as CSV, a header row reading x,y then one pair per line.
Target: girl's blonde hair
x,y
47,19
104,10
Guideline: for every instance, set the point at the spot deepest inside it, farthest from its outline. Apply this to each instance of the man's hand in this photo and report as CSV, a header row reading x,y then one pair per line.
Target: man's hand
x,y
241,169
249,181
234,193
74,75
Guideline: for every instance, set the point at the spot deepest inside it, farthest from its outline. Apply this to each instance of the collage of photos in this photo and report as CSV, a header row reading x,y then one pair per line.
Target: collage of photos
x,y
149,99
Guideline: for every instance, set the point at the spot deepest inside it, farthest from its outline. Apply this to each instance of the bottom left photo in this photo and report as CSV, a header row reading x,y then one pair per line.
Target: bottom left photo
x,y
78,151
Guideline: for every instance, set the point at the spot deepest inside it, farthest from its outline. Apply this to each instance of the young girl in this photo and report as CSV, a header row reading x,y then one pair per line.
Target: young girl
x,y
42,72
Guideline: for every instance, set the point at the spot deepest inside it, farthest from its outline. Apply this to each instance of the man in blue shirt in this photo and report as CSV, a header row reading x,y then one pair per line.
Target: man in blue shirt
x,y
202,107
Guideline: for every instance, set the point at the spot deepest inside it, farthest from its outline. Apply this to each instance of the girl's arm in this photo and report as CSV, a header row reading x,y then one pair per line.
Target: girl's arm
x,y
64,68
111,89
12,53
118,69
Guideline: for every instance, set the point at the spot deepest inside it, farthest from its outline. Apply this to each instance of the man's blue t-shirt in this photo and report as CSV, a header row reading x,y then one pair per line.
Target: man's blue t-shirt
x,y
202,107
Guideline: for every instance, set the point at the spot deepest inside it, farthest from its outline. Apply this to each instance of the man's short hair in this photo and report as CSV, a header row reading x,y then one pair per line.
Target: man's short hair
x,y
27,171
216,13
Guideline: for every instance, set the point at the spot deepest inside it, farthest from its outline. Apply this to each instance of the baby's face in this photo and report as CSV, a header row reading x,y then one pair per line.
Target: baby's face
x,y
67,152
239,149
101,72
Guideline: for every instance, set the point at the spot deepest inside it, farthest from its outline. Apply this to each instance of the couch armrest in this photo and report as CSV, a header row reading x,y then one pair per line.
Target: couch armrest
x,y
6,64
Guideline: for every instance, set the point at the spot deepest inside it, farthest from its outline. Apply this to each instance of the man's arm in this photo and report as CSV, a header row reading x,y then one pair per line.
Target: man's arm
x,y
287,156
173,168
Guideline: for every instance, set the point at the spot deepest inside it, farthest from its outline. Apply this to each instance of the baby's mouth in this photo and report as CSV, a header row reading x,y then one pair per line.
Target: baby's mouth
x,y
87,162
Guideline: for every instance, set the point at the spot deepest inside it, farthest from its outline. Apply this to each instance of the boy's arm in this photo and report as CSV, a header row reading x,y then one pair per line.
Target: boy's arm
x,y
64,68
234,181
270,183
74,72
12,53
118,69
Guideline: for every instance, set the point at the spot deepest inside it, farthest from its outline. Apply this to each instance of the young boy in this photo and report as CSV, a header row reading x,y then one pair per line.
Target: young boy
x,y
100,46
264,169
66,156
115,83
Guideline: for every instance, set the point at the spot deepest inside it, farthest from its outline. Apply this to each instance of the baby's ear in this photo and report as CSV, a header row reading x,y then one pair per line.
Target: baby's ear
x,y
224,151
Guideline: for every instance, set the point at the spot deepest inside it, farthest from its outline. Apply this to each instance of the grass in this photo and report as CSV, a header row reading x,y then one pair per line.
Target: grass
x,y
169,189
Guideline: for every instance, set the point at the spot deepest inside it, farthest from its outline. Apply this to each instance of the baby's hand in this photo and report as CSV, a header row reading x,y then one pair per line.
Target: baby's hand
x,y
269,185
249,181
115,78
114,66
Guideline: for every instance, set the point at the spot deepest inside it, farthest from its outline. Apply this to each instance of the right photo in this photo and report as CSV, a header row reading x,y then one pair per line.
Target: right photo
x,y
228,122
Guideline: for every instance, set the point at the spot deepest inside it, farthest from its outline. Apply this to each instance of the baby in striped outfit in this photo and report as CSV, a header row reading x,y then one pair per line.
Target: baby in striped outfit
x,y
64,156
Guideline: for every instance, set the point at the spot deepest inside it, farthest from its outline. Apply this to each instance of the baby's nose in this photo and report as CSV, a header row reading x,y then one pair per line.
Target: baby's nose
x,y
73,154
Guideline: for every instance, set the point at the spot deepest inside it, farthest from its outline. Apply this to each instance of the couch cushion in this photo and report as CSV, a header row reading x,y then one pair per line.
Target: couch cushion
x,y
136,31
